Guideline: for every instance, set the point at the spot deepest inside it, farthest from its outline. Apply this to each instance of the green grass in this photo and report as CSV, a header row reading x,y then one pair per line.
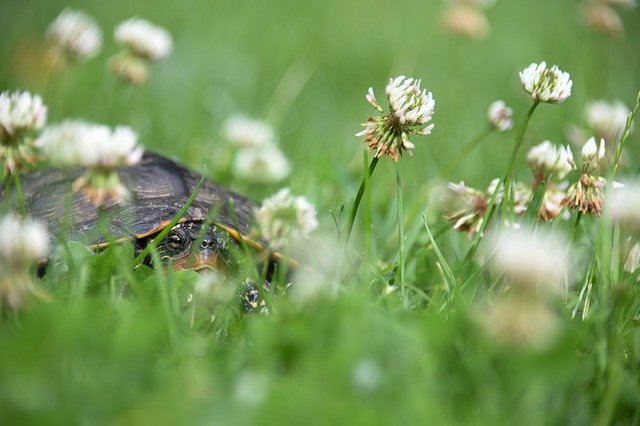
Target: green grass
x,y
129,346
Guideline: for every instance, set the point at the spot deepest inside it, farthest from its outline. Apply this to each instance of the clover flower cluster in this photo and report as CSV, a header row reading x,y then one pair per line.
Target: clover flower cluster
x,y
75,35
98,148
143,43
601,15
258,158
21,115
500,116
586,195
23,243
410,108
284,218
467,18
546,84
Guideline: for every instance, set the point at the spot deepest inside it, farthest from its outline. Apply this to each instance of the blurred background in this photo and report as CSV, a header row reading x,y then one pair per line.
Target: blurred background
x,y
306,66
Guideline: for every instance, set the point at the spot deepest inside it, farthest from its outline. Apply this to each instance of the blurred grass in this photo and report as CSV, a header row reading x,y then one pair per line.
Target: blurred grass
x,y
114,358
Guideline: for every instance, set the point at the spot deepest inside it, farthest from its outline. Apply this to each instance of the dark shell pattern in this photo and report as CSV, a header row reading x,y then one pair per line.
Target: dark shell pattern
x,y
158,186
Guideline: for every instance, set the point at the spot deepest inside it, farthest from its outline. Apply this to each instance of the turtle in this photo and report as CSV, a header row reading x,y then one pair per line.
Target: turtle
x,y
159,187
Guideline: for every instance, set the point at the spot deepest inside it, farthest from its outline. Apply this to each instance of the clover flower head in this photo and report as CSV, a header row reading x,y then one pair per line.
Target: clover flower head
x,y
607,119
464,207
284,218
245,132
531,261
622,206
266,164
592,154
144,39
76,34
546,158
500,116
410,107
98,148
586,195
23,241
21,114
546,84
466,20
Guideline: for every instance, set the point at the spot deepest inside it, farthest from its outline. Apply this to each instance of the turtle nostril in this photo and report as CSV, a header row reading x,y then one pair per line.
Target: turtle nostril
x,y
203,244
211,244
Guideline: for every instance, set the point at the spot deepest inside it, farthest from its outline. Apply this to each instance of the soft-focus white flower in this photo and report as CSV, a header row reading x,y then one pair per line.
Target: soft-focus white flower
x,y
520,322
23,241
76,34
464,207
143,38
261,165
283,218
316,277
622,205
530,260
251,387
592,154
546,84
367,375
546,158
245,132
607,119
97,147
410,107
465,20
500,116
21,114
78,143
601,17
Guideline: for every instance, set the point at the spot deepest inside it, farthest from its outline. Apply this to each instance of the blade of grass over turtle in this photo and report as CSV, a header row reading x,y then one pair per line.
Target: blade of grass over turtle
x,y
156,241
241,241
162,286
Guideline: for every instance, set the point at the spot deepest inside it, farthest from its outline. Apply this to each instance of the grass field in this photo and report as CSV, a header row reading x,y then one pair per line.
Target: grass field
x,y
411,338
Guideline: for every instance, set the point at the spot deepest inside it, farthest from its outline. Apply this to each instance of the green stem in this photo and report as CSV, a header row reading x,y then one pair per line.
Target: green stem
x,y
464,151
18,187
506,202
401,260
576,227
506,180
356,201
625,135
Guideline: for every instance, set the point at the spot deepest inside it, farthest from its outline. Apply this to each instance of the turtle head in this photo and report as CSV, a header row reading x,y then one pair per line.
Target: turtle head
x,y
190,246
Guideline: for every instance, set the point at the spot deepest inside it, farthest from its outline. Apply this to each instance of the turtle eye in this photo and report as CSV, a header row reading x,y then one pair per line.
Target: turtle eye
x,y
174,240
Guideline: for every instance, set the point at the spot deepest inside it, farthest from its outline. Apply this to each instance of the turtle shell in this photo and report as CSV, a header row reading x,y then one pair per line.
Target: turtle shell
x,y
158,187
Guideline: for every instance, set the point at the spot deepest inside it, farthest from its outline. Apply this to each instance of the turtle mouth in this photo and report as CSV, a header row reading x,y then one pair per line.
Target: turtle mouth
x,y
199,262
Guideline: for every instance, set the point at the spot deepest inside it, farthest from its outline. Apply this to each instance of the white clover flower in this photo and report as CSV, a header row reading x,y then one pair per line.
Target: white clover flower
x,y
519,322
592,155
20,112
465,20
546,84
245,132
410,104
546,158
622,206
283,218
607,119
410,107
98,148
23,241
261,165
78,143
367,375
500,116
144,39
530,261
76,34
464,207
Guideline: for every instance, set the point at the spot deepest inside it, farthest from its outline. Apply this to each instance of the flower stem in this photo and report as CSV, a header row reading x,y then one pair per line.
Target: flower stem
x,y
18,188
625,135
401,259
356,201
506,202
